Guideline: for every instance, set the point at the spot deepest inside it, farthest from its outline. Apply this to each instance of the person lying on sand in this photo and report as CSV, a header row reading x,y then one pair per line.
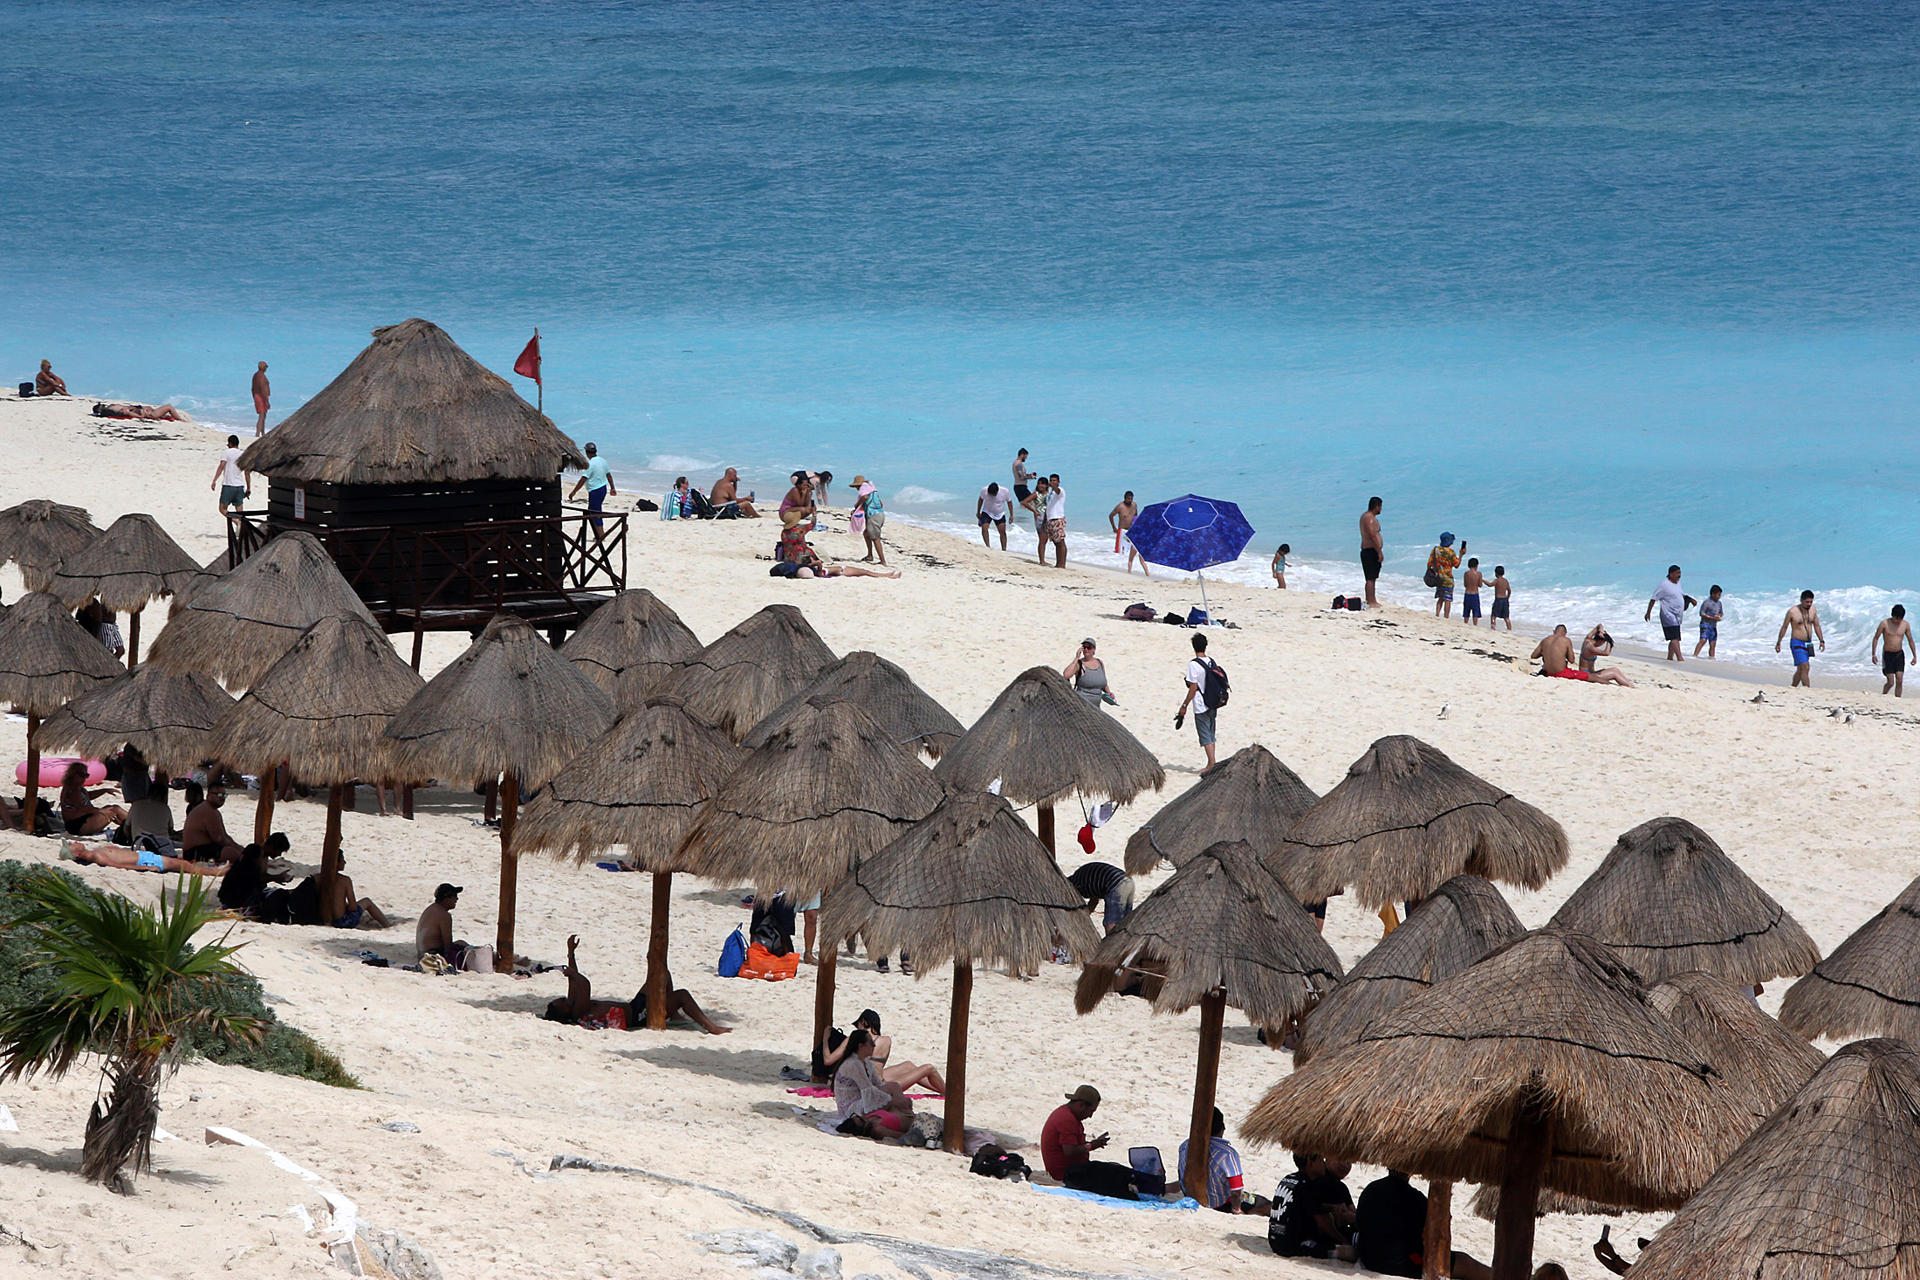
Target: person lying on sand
x,y
144,412
77,808
867,1104
1555,653
578,1007
834,1048
112,855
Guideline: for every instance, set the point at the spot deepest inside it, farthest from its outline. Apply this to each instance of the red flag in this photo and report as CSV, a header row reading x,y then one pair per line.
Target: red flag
x,y
528,365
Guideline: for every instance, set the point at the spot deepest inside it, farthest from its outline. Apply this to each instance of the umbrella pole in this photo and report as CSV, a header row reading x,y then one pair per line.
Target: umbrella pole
x,y
1389,918
1046,826
330,849
509,870
1436,1242
32,801
658,991
1529,1147
263,807
824,982
1206,1078
1204,606
133,639
493,792
956,1122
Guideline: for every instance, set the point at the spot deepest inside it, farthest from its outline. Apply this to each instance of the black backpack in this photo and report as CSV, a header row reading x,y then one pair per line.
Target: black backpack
x,y
1216,690
993,1162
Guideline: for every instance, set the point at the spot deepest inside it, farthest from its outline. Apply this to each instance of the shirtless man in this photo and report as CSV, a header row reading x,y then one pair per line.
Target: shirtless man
x,y
1555,653
1891,641
1022,478
579,1006
47,382
727,490
1121,518
203,836
1803,620
1371,548
262,397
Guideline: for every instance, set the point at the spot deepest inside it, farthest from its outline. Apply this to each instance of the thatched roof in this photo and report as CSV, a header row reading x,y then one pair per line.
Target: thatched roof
x,y
1869,985
641,784
1043,743
629,645
1554,1018
38,534
1668,901
1460,922
734,682
209,572
1223,921
133,562
237,626
1249,796
413,408
1824,1190
971,882
322,707
1405,820
167,717
509,704
828,789
47,659
883,691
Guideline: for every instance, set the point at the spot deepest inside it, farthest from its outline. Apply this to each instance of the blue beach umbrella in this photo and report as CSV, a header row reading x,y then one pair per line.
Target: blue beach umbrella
x,y
1191,533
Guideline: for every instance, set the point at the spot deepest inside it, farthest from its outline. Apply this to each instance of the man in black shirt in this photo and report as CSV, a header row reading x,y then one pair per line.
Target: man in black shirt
x,y
1312,1210
1389,1226
1103,884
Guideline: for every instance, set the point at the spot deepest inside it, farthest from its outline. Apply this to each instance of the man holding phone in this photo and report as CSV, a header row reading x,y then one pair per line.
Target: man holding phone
x,y
1067,1152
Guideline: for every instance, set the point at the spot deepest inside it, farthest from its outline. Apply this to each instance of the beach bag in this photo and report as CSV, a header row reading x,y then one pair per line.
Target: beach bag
x,y
1433,568
784,569
1196,617
764,964
477,960
733,954
26,391
991,1161
1139,613
1216,689
702,508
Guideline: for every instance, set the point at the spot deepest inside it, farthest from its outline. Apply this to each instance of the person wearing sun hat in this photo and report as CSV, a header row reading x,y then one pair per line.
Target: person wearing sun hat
x,y
1441,562
870,520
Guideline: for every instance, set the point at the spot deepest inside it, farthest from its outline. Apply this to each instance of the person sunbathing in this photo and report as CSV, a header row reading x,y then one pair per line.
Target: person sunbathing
x,y
77,808
834,1048
49,383
112,855
868,1105
579,1007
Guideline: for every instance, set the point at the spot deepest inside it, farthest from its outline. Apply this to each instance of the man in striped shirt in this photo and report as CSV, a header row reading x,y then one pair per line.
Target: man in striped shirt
x,y
1226,1181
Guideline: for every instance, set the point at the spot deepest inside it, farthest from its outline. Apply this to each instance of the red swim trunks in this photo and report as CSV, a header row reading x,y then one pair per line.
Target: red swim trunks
x,y
1574,673
259,403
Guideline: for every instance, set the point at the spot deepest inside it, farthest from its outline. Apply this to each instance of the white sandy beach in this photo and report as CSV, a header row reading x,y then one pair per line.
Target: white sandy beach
x,y
1815,808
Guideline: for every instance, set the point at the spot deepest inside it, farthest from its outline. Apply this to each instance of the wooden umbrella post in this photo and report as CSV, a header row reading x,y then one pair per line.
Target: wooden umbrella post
x,y
133,639
330,850
1389,919
32,802
658,990
263,807
1206,1079
1436,1241
509,870
1529,1147
823,991
956,1123
493,794
1046,826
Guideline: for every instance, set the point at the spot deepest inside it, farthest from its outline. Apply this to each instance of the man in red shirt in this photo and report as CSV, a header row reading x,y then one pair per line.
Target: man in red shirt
x,y
1067,1153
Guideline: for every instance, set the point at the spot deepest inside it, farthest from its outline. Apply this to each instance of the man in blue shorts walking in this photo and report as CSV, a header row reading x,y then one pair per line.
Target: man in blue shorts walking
x,y
599,483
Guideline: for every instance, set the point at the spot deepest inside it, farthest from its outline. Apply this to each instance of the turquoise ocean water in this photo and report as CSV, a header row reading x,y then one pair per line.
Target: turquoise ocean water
x,y
1597,287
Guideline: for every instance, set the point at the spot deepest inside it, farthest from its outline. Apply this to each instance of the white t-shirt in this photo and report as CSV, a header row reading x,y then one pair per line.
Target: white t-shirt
x,y
1056,505
230,472
994,505
1197,677
1672,601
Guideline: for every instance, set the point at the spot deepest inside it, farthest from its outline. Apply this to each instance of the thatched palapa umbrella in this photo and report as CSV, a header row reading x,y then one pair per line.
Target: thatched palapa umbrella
x,y
1869,985
130,565
1249,796
211,571
1042,743
829,788
1824,1190
1544,1065
883,691
323,708
165,717
39,534
970,883
734,682
1223,931
630,644
46,661
1668,901
512,708
1405,820
640,785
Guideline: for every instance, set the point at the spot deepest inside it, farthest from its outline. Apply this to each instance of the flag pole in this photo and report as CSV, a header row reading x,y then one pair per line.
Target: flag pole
x,y
539,382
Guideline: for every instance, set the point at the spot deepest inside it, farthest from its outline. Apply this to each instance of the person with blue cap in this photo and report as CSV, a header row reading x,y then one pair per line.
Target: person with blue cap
x,y
1441,562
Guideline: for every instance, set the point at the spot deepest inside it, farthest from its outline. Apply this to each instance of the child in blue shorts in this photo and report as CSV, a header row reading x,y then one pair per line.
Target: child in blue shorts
x,y
1712,610
1470,605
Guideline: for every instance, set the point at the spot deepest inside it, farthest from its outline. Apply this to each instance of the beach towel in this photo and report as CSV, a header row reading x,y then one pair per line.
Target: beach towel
x,y
823,1091
1183,1203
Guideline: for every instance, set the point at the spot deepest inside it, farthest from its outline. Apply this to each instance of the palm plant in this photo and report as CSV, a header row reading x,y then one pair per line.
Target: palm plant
x,y
128,986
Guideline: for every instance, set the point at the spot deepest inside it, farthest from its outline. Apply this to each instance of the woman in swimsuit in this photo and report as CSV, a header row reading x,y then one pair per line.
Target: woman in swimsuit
x,y
77,809
1089,675
579,1006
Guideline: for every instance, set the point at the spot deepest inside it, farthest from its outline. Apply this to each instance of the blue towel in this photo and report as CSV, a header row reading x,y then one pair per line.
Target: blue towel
x,y
1185,1202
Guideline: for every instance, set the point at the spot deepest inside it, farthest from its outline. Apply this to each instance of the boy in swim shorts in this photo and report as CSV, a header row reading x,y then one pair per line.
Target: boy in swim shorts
x,y
1470,604
1502,598
1712,609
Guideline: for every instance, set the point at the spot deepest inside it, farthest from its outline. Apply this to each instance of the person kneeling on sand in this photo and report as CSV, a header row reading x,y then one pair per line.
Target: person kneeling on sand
x,y
1555,653
112,855
867,1104
1067,1153
578,1007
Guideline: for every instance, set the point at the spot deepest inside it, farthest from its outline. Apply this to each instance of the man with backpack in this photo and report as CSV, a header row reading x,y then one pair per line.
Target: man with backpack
x,y
1206,694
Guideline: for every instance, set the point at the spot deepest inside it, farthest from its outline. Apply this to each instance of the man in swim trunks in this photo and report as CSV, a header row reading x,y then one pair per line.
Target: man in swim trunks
x,y
47,382
1022,478
993,509
1470,603
726,499
1054,531
1502,599
1124,513
1371,548
1803,620
1712,610
1555,653
203,837
1673,604
112,855
1891,641
234,480
262,398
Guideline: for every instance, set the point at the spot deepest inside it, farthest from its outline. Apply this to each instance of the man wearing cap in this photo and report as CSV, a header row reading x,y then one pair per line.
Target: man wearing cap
x,y
1441,562
599,483
434,934
1067,1153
